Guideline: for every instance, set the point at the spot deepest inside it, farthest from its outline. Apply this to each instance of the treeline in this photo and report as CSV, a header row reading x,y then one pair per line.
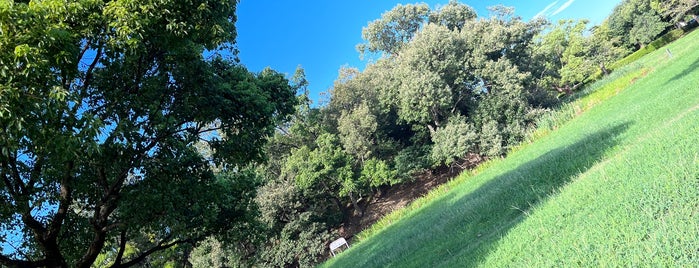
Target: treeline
x,y
443,85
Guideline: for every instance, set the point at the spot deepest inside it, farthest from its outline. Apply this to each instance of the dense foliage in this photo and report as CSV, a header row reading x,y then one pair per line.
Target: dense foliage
x,y
614,169
444,85
105,108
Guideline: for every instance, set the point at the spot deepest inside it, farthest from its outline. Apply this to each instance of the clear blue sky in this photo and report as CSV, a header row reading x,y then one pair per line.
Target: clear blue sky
x,y
321,36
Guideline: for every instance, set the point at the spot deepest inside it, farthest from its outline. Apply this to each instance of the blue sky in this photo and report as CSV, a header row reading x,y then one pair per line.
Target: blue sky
x,y
321,36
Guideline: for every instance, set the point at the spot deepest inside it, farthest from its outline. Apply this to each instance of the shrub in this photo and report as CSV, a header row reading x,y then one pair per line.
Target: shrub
x,y
653,46
491,141
412,159
376,172
300,244
213,253
453,141
279,202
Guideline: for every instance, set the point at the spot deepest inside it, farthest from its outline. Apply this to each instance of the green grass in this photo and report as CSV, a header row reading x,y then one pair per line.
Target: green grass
x,y
614,183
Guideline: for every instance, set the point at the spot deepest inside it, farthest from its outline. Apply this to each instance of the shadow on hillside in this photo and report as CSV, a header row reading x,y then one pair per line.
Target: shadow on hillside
x,y
690,69
462,230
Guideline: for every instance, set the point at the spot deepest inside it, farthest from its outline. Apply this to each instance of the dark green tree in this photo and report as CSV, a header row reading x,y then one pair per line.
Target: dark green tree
x,y
605,49
635,22
357,129
433,76
453,141
102,105
646,26
325,168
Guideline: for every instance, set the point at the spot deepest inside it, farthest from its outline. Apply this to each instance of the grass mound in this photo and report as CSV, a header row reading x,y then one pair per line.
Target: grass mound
x,y
611,180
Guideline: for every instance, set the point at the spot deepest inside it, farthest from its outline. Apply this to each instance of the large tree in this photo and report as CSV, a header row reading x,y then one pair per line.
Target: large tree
x,y
635,22
604,48
394,29
566,54
325,169
434,77
646,27
675,10
103,105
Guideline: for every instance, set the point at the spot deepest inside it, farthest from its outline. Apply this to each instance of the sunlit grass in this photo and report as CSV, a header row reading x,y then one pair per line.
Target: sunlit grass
x,y
614,181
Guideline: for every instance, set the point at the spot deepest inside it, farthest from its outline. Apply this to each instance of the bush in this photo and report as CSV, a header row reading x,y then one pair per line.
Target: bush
x,y
376,172
502,118
278,202
653,46
412,159
212,253
491,141
453,141
302,243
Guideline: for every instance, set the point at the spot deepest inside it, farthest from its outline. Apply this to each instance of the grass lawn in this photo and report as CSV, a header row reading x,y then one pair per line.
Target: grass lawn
x,y
616,184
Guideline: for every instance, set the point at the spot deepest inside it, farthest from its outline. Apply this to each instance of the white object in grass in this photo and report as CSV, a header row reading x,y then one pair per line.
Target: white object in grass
x,y
337,244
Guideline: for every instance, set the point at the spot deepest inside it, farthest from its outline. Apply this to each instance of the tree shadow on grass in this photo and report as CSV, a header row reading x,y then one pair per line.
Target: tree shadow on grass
x,y
460,230
690,69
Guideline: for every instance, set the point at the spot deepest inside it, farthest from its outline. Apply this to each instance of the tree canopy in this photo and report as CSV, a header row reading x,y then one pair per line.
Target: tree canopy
x,y
104,109
636,22
675,9
394,29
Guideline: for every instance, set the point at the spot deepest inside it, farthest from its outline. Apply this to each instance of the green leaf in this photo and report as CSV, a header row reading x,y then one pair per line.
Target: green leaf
x,y
21,50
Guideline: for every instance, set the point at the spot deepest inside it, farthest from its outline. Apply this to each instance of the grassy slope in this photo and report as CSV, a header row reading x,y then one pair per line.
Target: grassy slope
x,y
617,185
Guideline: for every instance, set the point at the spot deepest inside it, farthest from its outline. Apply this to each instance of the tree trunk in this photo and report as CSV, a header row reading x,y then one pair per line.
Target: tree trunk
x,y
339,205
604,69
564,89
93,251
336,200
357,209
432,130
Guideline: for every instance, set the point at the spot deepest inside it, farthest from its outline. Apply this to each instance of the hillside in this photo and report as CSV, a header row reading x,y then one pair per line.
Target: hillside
x,y
617,185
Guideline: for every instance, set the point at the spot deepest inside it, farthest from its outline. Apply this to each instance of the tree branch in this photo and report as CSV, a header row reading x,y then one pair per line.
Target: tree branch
x,y
83,50
88,73
113,226
38,229
21,197
9,185
19,193
107,205
102,179
93,250
122,247
9,262
160,246
66,199
14,173
100,220
457,102
36,172
283,131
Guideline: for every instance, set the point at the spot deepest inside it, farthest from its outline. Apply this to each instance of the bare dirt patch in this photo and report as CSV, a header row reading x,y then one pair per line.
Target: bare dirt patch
x,y
392,198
